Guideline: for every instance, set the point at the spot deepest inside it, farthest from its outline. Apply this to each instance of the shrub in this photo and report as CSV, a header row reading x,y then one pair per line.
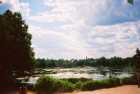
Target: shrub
x,y
64,86
45,85
89,85
78,85
92,85
114,82
75,80
49,85
129,80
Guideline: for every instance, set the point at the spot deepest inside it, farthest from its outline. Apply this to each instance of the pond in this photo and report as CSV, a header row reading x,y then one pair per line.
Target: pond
x,y
81,72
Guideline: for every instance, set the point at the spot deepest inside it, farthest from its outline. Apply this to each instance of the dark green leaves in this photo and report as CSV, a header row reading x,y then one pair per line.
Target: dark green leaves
x,y
15,44
131,1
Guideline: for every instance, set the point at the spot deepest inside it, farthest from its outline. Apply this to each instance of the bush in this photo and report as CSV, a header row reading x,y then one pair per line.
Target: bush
x,y
114,82
49,85
92,85
45,85
78,85
75,80
129,80
64,86
89,85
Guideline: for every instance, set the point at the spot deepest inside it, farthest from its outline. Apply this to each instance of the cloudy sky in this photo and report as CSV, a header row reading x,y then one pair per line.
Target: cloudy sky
x,y
79,28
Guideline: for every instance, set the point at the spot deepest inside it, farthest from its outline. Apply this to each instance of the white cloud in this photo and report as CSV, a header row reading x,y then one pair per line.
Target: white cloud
x,y
15,4
71,29
53,42
116,40
25,9
18,6
77,36
72,11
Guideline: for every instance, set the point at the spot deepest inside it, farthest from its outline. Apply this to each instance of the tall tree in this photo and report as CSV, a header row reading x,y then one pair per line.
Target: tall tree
x,y
137,66
16,54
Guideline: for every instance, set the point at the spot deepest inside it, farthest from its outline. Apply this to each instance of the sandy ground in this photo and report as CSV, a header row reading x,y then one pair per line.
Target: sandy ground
x,y
127,89
29,92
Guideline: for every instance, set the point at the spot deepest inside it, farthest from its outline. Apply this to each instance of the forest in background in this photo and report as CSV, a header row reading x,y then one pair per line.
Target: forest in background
x,y
114,62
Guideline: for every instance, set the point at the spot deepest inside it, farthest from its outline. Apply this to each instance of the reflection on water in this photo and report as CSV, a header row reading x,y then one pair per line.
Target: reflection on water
x,y
94,76
84,72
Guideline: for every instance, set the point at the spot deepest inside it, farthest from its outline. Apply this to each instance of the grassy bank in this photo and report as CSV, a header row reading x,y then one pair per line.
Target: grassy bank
x,y
49,85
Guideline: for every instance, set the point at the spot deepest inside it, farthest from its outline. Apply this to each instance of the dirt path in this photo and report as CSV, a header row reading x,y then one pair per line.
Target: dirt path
x,y
29,92
128,89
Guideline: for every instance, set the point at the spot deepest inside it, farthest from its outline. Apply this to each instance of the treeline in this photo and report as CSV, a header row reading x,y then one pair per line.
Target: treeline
x,y
115,62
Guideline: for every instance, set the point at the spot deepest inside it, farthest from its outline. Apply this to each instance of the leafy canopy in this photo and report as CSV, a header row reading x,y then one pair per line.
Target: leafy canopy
x,y
16,54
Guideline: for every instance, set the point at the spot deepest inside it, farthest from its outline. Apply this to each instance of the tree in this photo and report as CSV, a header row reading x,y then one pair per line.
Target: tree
x,y
137,60
130,1
16,54
137,66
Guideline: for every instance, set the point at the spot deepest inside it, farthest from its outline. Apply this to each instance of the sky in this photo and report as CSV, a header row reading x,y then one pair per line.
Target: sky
x,y
75,29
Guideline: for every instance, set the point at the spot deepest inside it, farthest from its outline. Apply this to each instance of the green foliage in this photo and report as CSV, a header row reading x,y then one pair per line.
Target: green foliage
x,y
65,86
45,85
129,80
114,62
16,54
78,85
92,85
114,81
15,51
131,1
75,80
49,85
